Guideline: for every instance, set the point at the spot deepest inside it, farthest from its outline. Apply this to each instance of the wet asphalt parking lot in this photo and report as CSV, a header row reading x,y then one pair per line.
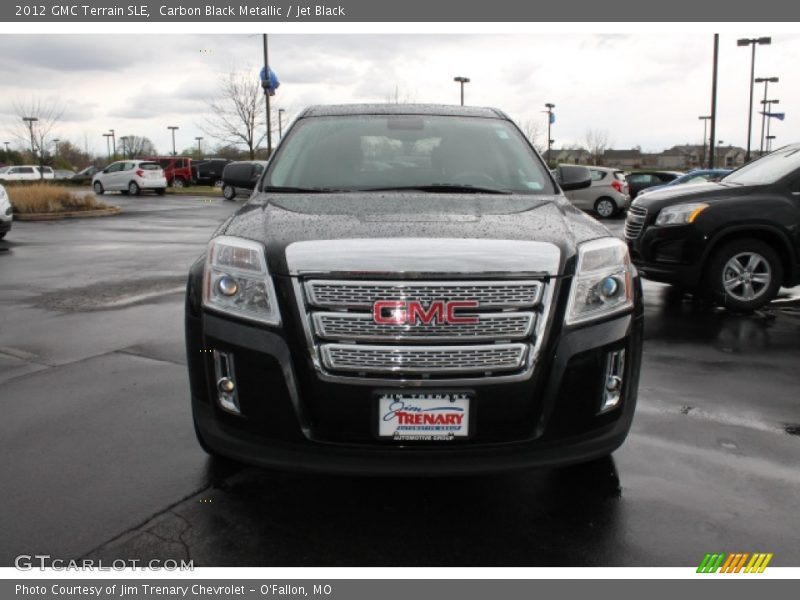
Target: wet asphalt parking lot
x,y
98,457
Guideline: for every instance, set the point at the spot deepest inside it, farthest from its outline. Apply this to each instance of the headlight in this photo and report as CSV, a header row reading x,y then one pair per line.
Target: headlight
x,y
680,214
603,283
236,280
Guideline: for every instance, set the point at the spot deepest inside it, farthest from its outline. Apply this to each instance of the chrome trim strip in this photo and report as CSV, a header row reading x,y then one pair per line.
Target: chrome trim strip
x,y
419,332
417,353
413,290
399,256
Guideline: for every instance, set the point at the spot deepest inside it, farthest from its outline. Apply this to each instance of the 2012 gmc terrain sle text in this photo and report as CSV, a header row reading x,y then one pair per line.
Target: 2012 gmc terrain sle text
x,y
409,292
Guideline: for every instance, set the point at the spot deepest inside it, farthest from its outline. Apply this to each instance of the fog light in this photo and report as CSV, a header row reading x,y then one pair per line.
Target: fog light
x,y
227,286
227,396
226,385
615,371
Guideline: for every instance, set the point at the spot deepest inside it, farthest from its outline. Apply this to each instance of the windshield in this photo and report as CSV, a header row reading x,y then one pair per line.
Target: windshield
x,y
767,169
398,152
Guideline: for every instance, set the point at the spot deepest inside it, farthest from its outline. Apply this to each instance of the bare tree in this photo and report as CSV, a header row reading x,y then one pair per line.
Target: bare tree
x,y
37,120
533,130
237,114
137,146
400,96
597,141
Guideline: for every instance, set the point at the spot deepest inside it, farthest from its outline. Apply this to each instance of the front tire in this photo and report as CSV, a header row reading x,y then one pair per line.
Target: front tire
x,y
98,188
133,188
744,274
605,208
229,192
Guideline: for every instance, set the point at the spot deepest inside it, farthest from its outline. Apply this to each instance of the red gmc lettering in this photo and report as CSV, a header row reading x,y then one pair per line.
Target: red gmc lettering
x,y
435,312
451,312
397,312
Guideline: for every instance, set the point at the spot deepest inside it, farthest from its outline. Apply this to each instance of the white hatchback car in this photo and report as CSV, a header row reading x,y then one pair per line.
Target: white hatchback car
x,y
26,173
130,177
6,213
607,195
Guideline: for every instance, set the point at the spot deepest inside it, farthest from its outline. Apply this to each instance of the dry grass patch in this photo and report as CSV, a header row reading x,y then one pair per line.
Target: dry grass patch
x,y
43,198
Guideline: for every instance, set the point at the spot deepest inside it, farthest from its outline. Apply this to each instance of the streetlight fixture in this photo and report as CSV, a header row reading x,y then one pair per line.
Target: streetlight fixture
x,y
550,106
752,42
113,142
705,120
766,81
280,122
108,147
173,128
199,150
462,81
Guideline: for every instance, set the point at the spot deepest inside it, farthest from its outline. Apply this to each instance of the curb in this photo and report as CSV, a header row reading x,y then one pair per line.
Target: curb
x,y
77,214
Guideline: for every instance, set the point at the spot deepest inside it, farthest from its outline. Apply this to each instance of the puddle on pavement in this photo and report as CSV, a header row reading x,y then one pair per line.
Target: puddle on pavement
x,y
109,295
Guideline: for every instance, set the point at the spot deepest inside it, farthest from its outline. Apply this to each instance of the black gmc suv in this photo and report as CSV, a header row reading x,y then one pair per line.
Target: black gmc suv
x,y
736,240
409,292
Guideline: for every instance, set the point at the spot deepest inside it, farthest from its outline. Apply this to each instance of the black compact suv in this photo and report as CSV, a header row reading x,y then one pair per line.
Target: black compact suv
x,y
241,177
409,292
737,240
208,171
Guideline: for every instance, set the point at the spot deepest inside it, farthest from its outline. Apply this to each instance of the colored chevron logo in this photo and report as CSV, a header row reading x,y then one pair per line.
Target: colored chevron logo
x,y
719,562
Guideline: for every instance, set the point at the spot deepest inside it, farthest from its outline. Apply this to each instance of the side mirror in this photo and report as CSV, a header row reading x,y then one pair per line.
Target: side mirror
x,y
105,170
573,177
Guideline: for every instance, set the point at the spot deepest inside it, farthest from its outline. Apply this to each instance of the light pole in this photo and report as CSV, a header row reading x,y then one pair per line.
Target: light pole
x,y
124,139
766,81
767,108
705,120
550,106
280,123
55,143
7,145
199,151
113,142
462,81
752,42
266,84
108,147
769,142
173,128
30,121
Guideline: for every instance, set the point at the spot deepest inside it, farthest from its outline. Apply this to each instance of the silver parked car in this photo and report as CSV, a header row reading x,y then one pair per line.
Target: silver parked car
x,y
607,196
6,213
130,177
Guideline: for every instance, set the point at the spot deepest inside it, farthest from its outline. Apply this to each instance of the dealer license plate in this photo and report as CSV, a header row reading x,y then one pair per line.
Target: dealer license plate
x,y
423,417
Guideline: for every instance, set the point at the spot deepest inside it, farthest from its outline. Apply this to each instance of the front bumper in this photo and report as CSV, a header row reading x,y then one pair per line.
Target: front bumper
x,y
670,254
294,420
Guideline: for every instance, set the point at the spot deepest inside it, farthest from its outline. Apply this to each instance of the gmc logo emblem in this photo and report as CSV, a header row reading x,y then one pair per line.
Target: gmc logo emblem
x,y
411,312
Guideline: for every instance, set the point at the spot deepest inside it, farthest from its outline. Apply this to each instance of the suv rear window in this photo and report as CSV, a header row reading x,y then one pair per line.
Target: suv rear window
x,y
149,166
619,175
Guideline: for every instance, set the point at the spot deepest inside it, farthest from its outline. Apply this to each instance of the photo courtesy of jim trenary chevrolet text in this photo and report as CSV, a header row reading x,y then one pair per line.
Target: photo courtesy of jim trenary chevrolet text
x,y
363,299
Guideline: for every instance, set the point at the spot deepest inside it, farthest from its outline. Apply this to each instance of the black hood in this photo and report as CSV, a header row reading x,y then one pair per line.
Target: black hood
x,y
695,192
278,220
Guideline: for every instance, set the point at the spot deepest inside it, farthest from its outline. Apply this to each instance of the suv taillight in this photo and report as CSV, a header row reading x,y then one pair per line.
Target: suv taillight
x,y
139,172
617,185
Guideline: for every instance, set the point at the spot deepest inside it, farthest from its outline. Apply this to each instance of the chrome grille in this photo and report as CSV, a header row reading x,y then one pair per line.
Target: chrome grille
x,y
347,344
362,327
361,294
424,359
634,222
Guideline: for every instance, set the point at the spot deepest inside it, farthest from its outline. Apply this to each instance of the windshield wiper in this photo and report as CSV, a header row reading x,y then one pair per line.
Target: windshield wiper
x,y
441,188
301,190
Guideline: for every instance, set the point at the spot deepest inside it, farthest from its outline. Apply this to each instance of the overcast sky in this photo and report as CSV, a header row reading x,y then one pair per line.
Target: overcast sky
x,y
645,90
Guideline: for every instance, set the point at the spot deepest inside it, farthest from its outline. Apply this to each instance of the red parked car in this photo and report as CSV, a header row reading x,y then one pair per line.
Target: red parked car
x,y
177,169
